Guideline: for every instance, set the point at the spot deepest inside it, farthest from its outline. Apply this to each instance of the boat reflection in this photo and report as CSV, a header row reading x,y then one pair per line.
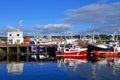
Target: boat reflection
x,y
15,68
112,62
71,62
95,69
109,66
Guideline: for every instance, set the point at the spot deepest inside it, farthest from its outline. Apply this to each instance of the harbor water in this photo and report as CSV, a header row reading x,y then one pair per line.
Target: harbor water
x,y
67,69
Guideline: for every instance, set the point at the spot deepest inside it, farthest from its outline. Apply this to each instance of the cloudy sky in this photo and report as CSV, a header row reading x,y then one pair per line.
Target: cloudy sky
x,y
36,17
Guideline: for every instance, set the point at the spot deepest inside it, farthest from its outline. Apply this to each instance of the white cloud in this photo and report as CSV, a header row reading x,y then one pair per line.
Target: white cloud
x,y
53,28
41,29
105,17
10,28
102,30
98,14
6,29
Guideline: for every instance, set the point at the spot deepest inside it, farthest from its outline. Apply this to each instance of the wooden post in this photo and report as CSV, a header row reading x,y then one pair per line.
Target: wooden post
x,y
18,51
46,53
27,49
37,50
27,53
7,54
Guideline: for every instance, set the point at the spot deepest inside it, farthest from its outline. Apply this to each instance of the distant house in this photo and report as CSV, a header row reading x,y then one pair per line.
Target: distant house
x,y
15,37
26,40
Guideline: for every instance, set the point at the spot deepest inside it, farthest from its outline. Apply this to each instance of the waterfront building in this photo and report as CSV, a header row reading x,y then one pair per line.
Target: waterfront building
x,y
15,37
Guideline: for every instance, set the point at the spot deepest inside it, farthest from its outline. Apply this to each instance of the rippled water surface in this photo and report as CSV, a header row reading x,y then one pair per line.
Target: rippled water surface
x,y
69,69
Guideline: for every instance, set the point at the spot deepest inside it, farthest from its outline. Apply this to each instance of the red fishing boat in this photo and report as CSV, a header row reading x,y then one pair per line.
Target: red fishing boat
x,y
72,53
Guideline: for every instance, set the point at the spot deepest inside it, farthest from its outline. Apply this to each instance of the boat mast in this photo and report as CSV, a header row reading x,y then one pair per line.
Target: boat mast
x,y
99,38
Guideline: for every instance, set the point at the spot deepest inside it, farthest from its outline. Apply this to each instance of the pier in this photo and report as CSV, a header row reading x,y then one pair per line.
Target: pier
x,y
13,52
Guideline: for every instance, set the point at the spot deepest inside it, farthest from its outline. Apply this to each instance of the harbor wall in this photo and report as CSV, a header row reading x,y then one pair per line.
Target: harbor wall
x,y
13,52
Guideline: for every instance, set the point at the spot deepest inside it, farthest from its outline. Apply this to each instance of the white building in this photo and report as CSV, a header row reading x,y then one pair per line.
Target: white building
x,y
15,37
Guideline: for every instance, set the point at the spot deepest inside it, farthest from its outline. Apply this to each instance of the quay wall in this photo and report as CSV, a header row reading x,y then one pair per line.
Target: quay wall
x,y
16,50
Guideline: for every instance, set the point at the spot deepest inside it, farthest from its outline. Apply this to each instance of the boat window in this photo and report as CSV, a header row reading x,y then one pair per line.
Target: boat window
x,y
66,49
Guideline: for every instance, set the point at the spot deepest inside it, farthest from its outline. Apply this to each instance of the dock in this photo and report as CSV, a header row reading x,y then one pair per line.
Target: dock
x,y
9,52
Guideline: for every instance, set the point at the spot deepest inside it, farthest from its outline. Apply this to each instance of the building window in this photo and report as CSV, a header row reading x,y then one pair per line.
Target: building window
x,y
10,34
18,34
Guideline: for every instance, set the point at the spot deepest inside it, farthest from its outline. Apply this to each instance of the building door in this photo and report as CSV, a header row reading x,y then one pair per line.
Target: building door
x,y
10,41
18,41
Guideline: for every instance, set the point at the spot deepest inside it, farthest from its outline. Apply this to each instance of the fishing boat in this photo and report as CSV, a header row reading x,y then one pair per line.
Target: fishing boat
x,y
111,49
73,50
97,51
41,48
33,48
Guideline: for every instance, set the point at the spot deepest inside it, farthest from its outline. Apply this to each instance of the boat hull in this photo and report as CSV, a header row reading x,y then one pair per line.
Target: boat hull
x,y
72,54
98,53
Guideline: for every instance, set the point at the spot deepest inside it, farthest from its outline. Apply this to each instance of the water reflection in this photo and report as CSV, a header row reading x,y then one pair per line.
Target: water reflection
x,y
113,63
15,68
102,69
71,63
106,68
71,68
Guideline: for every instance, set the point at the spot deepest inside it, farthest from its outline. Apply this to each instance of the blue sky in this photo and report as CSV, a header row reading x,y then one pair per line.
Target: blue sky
x,y
59,16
